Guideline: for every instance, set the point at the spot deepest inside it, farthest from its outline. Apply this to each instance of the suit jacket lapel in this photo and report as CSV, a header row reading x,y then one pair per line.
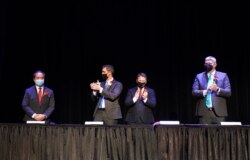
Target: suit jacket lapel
x,y
34,92
103,85
134,90
205,78
112,85
216,74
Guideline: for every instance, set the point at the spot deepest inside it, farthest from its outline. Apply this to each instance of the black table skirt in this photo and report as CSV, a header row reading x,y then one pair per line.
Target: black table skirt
x,y
203,142
123,142
77,142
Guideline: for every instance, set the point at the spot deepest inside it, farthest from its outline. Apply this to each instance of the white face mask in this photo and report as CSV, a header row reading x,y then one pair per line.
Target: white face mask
x,y
39,82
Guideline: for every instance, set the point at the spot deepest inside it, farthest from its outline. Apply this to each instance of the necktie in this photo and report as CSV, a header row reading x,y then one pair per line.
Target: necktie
x,y
102,104
102,100
40,95
140,93
209,93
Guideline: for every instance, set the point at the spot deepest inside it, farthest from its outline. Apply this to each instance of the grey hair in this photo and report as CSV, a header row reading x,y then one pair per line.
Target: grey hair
x,y
211,58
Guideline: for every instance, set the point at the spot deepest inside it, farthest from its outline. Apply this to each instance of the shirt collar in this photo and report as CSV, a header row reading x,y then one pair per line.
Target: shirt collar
x,y
37,87
211,73
109,81
142,89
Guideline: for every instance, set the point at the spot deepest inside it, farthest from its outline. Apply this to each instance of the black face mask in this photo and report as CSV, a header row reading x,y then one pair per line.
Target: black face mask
x,y
208,67
141,85
104,76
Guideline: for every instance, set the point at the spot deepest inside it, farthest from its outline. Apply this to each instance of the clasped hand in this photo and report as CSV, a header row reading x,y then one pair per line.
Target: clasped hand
x,y
143,96
39,117
213,87
96,86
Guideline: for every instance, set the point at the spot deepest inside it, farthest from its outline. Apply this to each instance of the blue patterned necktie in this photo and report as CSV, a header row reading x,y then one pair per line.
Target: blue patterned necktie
x,y
209,93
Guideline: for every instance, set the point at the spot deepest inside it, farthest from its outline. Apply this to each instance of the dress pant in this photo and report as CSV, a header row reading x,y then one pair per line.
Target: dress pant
x,y
211,118
101,115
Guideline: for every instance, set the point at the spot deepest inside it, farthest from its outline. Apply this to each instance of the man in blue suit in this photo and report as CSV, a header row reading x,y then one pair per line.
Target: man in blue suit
x,y
38,101
106,94
140,100
211,88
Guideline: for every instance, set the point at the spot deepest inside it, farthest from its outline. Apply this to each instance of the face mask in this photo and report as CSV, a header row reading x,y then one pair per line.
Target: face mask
x,y
208,67
141,85
39,82
104,76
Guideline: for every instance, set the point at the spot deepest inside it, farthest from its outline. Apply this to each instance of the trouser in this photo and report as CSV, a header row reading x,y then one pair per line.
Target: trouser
x,y
211,118
101,115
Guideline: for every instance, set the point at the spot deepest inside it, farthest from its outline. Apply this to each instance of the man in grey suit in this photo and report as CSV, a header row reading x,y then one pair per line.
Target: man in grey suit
x,y
140,100
38,101
211,88
107,94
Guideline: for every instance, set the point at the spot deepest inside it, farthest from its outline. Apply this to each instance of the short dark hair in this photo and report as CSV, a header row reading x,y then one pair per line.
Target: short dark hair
x,y
142,75
38,71
109,68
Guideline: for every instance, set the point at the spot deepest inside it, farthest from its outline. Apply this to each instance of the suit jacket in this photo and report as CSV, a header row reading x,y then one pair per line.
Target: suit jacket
x,y
31,105
218,99
139,111
111,96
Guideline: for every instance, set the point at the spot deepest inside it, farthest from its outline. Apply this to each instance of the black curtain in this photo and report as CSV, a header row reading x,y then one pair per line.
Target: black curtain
x,y
167,40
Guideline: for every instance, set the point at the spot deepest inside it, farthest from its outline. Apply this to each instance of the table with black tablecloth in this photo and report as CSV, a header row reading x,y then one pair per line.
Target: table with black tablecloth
x,y
124,142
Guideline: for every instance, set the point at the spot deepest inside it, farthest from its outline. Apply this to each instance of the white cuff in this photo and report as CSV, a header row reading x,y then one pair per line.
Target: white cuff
x,y
135,99
100,91
94,93
218,90
204,93
33,116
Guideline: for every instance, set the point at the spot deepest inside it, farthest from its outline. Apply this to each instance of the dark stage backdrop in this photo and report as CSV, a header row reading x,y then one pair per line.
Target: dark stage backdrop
x,y
167,40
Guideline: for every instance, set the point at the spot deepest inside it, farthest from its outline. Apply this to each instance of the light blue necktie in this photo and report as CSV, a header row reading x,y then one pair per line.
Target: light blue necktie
x,y
102,104
102,101
209,93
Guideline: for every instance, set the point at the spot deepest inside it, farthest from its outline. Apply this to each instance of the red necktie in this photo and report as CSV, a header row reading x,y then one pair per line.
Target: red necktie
x,y
40,95
140,93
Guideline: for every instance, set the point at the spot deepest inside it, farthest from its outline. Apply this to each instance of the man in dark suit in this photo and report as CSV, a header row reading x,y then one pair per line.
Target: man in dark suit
x,y
140,100
211,88
107,94
38,101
